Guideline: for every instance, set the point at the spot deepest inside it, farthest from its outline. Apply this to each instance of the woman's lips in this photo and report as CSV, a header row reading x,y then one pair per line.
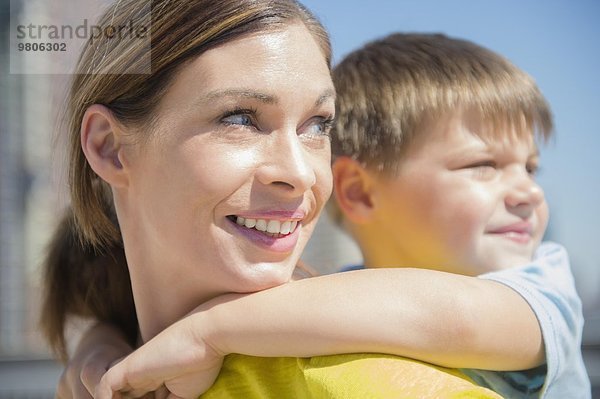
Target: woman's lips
x,y
275,242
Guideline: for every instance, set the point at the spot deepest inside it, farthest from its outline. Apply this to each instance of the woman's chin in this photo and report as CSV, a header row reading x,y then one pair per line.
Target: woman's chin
x,y
265,276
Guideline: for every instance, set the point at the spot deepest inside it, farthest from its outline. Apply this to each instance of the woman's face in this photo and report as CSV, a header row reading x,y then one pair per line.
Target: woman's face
x,y
240,146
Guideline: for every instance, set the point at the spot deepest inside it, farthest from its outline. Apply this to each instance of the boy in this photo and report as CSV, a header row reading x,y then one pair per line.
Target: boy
x,y
435,158
443,177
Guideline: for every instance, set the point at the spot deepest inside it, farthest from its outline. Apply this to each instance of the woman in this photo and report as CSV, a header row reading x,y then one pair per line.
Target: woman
x,y
211,172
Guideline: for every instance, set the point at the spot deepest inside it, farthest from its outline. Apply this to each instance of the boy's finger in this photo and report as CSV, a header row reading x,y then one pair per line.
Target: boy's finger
x,y
161,393
107,389
63,389
70,387
138,388
91,375
135,393
80,392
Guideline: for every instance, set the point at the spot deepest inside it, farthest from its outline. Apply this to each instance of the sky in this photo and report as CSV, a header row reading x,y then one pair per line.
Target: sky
x,y
555,41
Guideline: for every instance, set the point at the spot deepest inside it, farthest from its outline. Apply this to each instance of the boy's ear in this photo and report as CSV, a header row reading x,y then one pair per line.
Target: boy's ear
x,y
354,190
101,141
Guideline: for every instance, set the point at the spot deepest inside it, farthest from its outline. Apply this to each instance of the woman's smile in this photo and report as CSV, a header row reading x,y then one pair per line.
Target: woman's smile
x,y
277,235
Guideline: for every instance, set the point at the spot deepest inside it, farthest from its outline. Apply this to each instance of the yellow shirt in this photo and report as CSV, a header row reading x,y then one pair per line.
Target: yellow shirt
x,y
359,376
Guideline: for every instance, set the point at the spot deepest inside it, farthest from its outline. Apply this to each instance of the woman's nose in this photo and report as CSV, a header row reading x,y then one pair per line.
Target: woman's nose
x,y
287,165
523,193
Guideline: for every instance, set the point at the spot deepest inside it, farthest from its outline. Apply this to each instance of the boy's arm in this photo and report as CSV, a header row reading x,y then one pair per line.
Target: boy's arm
x,y
441,318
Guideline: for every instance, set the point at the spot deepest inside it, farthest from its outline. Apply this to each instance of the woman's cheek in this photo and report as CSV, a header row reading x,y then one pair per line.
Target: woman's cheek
x,y
225,171
325,182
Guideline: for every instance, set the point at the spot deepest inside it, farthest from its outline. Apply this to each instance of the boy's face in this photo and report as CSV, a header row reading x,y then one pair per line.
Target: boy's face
x,y
463,204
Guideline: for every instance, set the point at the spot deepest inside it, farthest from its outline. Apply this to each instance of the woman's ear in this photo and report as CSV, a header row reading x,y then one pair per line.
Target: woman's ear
x,y
102,144
354,190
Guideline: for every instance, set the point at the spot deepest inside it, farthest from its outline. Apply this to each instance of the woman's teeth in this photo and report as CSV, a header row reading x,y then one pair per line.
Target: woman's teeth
x,y
269,226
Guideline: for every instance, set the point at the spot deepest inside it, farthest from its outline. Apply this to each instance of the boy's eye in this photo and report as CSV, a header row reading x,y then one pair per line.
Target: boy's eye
x,y
483,169
532,169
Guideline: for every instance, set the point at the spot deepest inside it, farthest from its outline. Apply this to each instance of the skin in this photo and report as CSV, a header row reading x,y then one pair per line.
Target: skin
x,y
460,202
100,346
234,136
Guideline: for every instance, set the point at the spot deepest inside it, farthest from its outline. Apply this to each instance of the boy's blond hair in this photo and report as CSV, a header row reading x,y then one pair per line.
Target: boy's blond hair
x,y
388,88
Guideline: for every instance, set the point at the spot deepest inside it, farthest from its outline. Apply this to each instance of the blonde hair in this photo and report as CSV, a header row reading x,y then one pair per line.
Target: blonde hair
x,y
89,236
387,89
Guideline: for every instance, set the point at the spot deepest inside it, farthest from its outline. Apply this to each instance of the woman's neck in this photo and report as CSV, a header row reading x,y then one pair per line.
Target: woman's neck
x,y
160,302
161,296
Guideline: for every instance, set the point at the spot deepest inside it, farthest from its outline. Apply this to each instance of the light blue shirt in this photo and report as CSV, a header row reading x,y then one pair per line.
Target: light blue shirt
x,y
547,285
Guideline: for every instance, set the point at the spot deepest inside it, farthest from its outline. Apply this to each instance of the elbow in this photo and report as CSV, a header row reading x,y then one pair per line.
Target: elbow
x,y
463,329
461,336
451,332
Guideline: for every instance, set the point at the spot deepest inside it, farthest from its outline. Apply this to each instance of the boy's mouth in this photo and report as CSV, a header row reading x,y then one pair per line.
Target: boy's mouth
x,y
521,232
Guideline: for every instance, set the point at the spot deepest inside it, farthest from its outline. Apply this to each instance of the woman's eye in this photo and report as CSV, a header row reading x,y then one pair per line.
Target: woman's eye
x,y
238,119
320,126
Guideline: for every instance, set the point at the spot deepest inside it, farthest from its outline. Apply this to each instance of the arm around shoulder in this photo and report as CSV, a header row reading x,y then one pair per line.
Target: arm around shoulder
x,y
441,318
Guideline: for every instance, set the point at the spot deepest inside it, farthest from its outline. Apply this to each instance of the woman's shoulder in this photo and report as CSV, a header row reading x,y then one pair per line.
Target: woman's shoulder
x,y
340,376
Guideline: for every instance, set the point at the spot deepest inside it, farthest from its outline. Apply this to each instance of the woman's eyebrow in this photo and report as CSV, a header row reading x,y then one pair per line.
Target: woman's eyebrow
x,y
241,93
327,94
262,97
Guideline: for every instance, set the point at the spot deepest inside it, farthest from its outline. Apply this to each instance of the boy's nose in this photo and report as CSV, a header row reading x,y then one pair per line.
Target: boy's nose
x,y
523,193
286,165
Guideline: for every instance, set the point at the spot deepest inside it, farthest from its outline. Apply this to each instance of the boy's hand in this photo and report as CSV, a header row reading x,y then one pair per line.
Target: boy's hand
x,y
81,375
100,347
177,359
